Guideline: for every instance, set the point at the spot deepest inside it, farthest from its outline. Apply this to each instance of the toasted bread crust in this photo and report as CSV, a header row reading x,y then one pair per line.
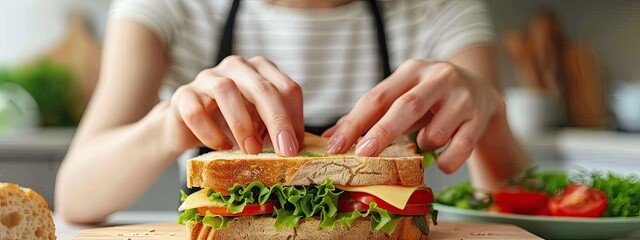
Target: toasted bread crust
x,y
397,165
247,228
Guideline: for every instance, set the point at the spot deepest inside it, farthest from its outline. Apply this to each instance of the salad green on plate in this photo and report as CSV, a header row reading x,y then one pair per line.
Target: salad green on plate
x,y
553,193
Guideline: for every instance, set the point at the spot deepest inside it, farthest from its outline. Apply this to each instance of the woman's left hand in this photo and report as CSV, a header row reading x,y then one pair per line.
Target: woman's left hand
x,y
444,102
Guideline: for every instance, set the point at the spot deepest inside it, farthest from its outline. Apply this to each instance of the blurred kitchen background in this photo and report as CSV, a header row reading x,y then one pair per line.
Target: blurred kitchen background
x,y
570,69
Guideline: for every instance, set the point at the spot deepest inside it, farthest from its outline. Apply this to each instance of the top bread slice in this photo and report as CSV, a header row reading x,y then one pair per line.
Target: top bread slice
x,y
24,214
398,164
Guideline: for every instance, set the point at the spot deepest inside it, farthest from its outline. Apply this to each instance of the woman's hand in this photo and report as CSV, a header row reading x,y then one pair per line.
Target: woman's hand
x,y
237,101
444,102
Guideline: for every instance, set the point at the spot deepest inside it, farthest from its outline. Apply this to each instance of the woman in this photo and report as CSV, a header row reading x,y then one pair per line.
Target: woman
x,y
234,73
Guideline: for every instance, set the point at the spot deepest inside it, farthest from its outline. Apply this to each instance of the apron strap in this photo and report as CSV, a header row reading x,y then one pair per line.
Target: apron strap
x,y
381,36
226,40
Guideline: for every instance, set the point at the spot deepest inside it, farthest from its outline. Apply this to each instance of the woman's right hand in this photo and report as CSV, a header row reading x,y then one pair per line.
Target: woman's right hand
x,y
237,101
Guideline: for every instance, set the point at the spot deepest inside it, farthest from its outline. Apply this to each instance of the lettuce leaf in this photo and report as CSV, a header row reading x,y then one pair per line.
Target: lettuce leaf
x,y
307,201
183,196
421,223
286,219
240,196
189,215
428,158
434,215
216,221
381,220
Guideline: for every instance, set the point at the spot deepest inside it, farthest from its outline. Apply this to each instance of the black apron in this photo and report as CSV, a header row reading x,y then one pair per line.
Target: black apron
x,y
226,49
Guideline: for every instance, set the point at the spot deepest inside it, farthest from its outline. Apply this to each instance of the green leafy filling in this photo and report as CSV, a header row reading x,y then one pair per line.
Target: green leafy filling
x,y
296,203
623,192
532,179
463,196
428,158
422,224
310,154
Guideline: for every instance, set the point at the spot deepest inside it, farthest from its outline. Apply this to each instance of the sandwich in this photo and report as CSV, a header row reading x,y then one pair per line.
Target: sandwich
x,y
24,214
311,196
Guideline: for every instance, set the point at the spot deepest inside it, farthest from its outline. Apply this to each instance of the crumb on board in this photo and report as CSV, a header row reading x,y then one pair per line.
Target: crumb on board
x,y
120,234
172,234
151,230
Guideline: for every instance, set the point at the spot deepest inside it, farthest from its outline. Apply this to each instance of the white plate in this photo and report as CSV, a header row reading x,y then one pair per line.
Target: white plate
x,y
551,227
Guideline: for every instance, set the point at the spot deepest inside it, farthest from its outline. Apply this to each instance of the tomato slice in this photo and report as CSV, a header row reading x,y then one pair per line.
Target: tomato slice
x,y
421,196
350,205
249,209
499,209
578,201
519,200
543,211
410,208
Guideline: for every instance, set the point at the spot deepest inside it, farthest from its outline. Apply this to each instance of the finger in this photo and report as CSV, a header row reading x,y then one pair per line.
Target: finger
x,y
404,112
327,133
259,126
289,90
193,114
460,148
444,123
421,123
266,97
231,105
372,106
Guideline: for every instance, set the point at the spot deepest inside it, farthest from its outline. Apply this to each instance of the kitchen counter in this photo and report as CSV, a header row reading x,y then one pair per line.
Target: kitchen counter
x,y
447,230
66,231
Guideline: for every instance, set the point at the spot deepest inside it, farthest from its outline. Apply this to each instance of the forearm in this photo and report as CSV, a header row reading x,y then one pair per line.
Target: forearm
x,y
498,155
109,170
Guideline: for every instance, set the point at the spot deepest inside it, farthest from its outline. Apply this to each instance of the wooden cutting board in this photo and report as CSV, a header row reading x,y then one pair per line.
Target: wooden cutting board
x,y
173,231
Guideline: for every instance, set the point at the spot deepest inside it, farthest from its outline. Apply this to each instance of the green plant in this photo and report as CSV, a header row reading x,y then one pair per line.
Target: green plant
x,y
52,87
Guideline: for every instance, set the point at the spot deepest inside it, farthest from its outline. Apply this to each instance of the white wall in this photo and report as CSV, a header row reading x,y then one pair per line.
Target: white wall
x,y
29,28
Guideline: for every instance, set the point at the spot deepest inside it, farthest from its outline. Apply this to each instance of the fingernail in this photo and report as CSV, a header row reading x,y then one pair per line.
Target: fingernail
x,y
286,144
252,145
368,147
336,143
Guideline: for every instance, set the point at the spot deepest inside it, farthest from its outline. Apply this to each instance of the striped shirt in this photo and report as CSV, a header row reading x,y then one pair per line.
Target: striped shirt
x,y
331,53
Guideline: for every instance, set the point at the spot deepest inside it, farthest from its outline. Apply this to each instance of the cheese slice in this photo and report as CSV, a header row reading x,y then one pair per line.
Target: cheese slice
x,y
397,196
198,199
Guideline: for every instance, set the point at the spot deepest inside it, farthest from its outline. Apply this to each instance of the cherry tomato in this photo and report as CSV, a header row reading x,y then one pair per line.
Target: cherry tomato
x,y
519,200
249,209
578,201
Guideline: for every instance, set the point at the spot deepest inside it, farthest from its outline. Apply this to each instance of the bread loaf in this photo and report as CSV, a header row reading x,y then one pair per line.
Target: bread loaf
x,y
24,214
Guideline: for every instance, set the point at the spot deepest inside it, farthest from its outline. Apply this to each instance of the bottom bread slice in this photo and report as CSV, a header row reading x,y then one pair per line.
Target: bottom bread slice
x,y
263,229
